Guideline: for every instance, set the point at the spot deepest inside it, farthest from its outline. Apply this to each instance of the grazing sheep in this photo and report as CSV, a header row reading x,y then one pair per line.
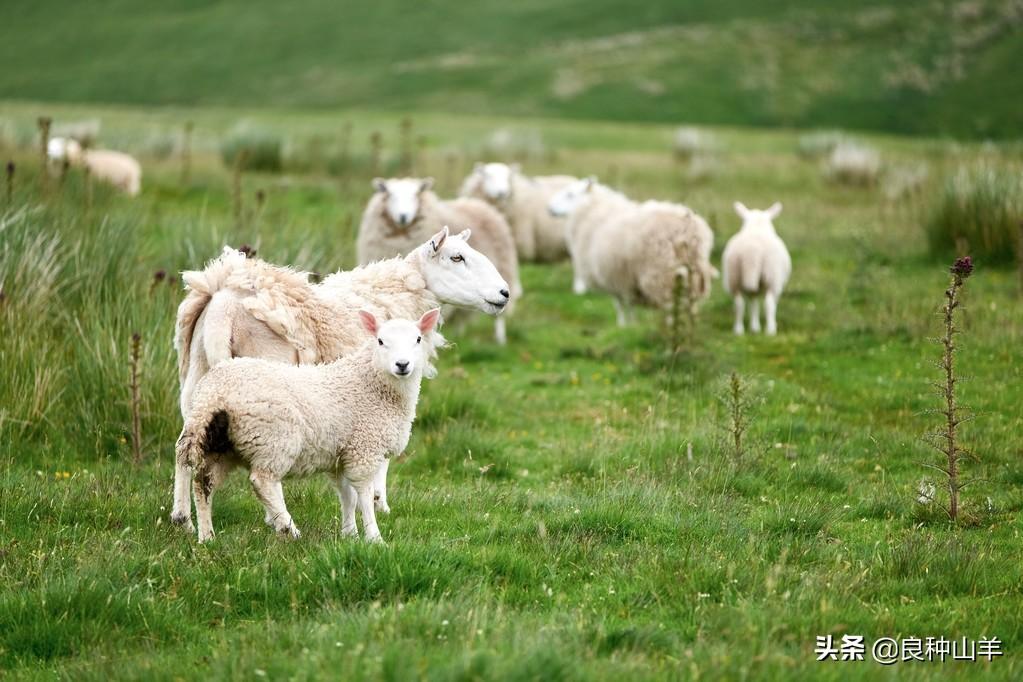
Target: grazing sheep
x,y
404,211
238,307
345,419
631,250
539,236
756,263
116,168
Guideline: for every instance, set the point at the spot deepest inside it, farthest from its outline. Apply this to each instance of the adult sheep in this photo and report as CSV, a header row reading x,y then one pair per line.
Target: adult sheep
x,y
238,307
405,211
756,264
631,250
116,168
539,236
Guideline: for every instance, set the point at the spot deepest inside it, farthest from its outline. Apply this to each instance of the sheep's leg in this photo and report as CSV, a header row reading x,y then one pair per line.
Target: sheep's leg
x,y
754,315
380,488
770,309
348,497
370,530
210,475
270,492
181,514
500,333
740,307
621,312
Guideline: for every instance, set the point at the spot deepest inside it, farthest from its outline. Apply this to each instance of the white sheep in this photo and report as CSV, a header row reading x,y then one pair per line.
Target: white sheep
x,y
345,418
539,236
238,307
405,211
116,168
633,251
756,264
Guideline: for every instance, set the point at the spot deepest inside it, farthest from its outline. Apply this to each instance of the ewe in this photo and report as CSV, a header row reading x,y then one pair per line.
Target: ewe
x,y
539,236
404,211
240,307
756,263
631,250
119,169
344,419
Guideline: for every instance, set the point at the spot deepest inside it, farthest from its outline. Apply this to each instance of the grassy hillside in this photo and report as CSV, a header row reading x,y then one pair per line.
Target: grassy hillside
x,y
918,66
569,508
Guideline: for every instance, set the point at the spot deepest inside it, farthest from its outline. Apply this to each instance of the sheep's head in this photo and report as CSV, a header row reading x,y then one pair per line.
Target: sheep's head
x,y
458,274
403,348
402,198
758,220
496,179
571,197
61,148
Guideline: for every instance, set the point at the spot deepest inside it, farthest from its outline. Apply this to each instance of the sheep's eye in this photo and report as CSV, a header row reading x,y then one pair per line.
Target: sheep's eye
x,y
380,341
418,339
457,258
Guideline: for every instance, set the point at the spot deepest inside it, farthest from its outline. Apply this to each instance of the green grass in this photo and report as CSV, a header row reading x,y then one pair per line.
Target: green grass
x,y
548,523
918,66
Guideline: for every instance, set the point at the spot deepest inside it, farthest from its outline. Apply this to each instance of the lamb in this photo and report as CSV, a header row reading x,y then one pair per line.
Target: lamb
x,y
240,307
344,419
404,211
116,168
633,251
756,264
539,236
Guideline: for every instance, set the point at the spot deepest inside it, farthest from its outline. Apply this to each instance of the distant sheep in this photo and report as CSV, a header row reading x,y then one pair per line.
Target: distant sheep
x,y
245,307
405,211
116,168
344,419
633,251
756,264
539,236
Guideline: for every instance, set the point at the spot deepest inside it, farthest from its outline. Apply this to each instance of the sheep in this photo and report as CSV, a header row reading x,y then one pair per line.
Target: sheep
x,y
539,236
344,418
404,211
756,263
238,307
116,168
633,251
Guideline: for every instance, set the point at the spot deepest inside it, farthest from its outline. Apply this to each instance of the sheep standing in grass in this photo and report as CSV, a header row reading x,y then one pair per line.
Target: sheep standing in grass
x,y
344,419
634,251
404,211
539,236
239,307
756,264
116,168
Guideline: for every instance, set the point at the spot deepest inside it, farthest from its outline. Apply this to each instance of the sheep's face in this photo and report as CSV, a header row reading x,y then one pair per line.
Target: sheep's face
x,y
752,219
402,198
460,275
571,197
402,347
496,180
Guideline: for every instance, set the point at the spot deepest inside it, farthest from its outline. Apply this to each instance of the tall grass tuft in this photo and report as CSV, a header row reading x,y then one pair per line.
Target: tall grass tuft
x,y
979,210
262,148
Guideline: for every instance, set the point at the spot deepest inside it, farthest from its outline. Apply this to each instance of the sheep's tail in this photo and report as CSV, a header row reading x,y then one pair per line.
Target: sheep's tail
x,y
203,433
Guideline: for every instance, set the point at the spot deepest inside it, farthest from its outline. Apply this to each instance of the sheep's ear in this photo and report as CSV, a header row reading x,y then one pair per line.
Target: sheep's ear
x,y
741,209
429,320
775,210
369,323
464,234
380,185
425,184
437,240
590,182
516,167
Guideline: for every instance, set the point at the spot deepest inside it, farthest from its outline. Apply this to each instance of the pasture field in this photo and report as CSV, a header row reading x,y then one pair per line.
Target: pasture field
x,y
569,507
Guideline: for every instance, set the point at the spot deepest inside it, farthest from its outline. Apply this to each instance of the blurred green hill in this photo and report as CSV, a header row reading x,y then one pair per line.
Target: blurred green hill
x,y
914,66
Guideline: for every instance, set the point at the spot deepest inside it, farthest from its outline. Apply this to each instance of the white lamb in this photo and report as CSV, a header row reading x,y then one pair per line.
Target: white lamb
x,y
756,264
345,419
631,250
238,307
116,168
404,211
539,236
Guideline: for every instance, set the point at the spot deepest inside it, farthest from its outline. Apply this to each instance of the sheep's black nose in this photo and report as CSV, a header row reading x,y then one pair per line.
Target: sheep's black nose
x,y
504,292
402,366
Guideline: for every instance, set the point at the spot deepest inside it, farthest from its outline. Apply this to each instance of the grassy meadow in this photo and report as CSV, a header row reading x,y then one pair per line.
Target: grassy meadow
x,y
569,507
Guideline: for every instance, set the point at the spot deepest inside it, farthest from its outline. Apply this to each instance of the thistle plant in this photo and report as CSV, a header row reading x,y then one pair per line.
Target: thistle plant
x,y
376,146
10,184
136,417
683,313
44,123
236,188
186,152
738,402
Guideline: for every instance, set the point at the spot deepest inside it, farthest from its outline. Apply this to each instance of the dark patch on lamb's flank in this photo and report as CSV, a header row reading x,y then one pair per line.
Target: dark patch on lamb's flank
x,y
217,439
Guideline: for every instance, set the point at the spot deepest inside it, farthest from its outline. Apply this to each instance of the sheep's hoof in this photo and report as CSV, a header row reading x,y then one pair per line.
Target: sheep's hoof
x,y
205,537
352,532
739,331
381,506
375,540
290,531
183,520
